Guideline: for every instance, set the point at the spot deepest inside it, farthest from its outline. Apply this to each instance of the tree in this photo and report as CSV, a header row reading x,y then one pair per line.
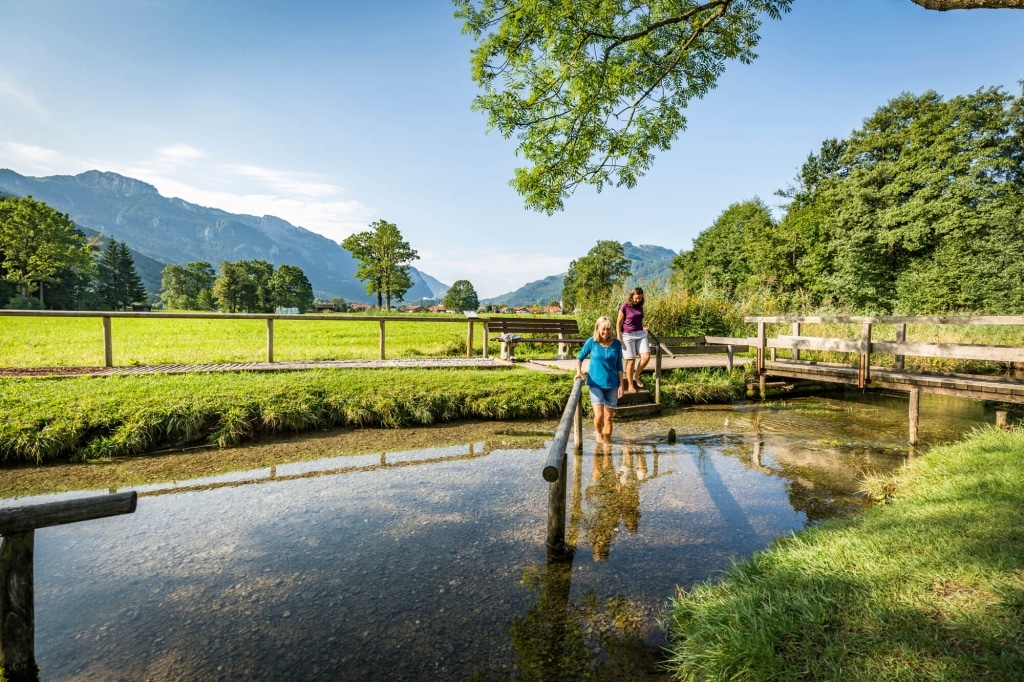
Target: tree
x,y
118,285
245,286
461,296
37,243
592,90
189,287
739,252
291,288
383,261
595,274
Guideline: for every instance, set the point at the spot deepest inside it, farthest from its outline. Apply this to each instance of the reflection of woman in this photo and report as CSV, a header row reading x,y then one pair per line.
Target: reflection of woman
x,y
630,329
602,517
604,376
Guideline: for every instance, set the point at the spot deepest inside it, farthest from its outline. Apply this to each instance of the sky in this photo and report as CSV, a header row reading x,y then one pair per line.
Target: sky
x,y
332,114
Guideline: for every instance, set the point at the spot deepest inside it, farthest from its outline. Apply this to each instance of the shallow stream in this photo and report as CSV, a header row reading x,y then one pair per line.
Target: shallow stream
x,y
337,557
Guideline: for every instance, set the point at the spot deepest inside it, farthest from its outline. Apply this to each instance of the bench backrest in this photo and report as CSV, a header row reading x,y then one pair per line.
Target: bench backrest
x,y
500,325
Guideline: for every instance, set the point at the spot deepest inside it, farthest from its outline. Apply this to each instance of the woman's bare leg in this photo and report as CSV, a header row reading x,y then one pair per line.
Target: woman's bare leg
x,y
628,376
640,365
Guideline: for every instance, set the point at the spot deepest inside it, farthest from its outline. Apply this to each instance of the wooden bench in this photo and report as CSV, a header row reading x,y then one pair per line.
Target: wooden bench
x,y
700,345
510,331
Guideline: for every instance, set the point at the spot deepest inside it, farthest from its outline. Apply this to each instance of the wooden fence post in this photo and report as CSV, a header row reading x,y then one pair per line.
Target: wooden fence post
x,y
270,339
865,354
486,339
382,339
469,340
761,341
915,409
796,332
901,336
108,344
657,374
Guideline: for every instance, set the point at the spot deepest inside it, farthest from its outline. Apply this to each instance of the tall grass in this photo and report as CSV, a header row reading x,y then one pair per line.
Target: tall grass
x,y
930,587
48,420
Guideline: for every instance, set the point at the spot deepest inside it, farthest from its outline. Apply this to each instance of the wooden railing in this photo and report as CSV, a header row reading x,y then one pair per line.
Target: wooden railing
x,y
865,346
107,316
554,471
17,593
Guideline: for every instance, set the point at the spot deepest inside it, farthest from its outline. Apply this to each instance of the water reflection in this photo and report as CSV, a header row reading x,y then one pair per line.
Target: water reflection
x,y
430,563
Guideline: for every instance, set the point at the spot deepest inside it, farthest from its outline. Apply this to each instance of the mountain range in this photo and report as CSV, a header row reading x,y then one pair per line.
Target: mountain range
x,y
160,230
649,264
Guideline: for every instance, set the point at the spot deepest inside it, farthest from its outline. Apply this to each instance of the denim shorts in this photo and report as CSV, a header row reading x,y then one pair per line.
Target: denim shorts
x,y
634,343
609,397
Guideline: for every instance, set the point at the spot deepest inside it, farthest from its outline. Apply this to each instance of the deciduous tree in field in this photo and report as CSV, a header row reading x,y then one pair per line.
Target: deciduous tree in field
x,y
189,287
461,296
37,243
291,288
384,259
595,274
592,90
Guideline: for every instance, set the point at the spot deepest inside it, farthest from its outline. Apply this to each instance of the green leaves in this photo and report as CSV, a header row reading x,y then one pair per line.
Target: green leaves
x,y
592,90
384,258
461,296
596,274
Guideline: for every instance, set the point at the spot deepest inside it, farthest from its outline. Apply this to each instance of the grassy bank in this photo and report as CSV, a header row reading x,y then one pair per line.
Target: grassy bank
x,y
52,420
930,587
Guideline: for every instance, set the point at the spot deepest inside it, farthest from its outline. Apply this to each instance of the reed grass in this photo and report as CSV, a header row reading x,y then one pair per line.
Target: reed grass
x,y
704,386
81,419
930,587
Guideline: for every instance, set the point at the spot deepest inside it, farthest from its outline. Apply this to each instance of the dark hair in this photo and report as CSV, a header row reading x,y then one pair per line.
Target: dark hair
x,y
637,291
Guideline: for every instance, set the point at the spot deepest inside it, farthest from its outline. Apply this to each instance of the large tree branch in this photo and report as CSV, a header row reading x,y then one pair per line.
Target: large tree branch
x,y
943,5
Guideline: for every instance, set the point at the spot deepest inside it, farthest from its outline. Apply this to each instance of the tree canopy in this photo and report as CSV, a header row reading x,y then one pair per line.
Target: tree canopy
x,y
919,211
595,274
384,259
461,296
118,284
592,91
37,243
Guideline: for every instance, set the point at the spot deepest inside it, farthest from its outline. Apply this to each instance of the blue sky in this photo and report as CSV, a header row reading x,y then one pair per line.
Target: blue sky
x,y
334,114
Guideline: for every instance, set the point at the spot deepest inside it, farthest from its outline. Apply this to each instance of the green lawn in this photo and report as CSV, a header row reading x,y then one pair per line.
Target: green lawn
x,y
930,587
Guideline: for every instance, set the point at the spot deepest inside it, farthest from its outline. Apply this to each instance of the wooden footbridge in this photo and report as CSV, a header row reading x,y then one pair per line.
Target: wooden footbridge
x,y
807,353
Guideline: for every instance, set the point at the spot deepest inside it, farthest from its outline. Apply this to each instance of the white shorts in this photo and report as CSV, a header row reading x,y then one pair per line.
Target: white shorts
x,y
635,343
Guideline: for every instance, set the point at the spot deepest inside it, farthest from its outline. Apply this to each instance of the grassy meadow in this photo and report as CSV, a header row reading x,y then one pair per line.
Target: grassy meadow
x,y
76,341
928,587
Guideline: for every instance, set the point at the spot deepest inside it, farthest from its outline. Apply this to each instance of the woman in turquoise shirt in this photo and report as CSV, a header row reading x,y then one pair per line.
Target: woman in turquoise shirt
x,y
604,376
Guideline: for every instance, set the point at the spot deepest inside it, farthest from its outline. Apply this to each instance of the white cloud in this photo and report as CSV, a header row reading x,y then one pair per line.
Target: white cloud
x,y
28,159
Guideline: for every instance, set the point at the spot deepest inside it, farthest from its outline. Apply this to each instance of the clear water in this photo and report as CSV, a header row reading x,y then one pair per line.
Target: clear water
x,y
430,564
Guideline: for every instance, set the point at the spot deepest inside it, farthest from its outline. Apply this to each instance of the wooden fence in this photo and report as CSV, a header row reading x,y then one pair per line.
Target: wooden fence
x,y
108,342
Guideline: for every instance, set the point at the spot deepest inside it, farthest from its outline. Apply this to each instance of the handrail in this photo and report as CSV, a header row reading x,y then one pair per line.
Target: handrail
x,y
320,317
891,319
556,454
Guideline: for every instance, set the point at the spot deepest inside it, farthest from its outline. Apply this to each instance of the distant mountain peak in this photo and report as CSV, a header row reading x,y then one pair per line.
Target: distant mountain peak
x,y
113,182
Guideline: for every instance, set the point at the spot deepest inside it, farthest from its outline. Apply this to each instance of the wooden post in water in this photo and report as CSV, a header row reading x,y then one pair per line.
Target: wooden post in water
x,y
382,339
763,386
270,339
901,336
915,408
1001,419
554,473
108,344
17,598
17,611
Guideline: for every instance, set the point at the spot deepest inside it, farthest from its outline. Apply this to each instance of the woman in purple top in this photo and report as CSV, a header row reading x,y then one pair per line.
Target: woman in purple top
x,y
631,331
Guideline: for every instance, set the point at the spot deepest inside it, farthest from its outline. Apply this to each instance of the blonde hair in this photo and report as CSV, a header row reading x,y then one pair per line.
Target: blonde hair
x,y
604,319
